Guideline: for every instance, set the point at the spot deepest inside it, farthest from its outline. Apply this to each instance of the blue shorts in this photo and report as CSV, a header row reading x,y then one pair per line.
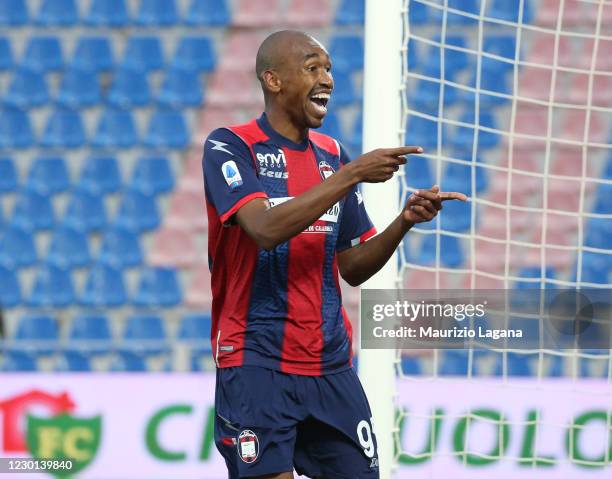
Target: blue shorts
x,y
270,422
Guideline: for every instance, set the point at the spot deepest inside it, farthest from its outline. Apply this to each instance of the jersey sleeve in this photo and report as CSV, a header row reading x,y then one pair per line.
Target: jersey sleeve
x,y
355,224
230,179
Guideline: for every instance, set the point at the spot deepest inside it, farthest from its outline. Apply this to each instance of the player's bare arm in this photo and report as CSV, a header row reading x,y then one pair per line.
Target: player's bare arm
x,y
361,262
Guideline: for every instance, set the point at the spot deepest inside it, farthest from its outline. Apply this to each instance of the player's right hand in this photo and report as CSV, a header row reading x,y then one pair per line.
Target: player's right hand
x,y
379,165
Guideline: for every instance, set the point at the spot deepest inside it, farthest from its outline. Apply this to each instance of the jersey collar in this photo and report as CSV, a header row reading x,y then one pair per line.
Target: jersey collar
x,y
264,124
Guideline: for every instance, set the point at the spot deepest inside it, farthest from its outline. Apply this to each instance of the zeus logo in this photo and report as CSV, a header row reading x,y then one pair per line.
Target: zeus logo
x,y
272,165
220,146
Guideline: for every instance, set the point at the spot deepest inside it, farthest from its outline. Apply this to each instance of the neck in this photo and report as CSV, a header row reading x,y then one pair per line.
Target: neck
x,y
283,124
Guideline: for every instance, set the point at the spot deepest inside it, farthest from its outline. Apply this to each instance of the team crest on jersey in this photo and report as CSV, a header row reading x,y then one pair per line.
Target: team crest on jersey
x,y
248,446
325,169
231,174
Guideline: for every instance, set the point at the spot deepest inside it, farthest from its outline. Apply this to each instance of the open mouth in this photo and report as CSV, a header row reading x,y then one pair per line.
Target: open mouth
x,y
320,101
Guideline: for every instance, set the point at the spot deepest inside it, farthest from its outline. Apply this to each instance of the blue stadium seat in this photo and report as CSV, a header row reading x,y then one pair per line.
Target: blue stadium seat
x,y
347,52
212,13
143,53
93,54
79,88
418,13
157,13
145,335
100,175
411,366
126,361
195,53
489,81
355,136
516,365
500,45
33,211
423,132
8,175
167,129
195,328
599,233
454,363
451,254
344,92
18,361
458,177
464,136
13,13
10,293
104,287
603,200
418,172
48,175
533,273
331,126
53,287
17,249
427,96
454,60
130,88
64,129
607,173
57,13
6,54
15,129
158,287
28,89
152,175
43,53
596,267
90,334
467,6
85,212
73,361
509,10
181,88
352,12
137,212
116,129
69,248
107,13
456,216
120,248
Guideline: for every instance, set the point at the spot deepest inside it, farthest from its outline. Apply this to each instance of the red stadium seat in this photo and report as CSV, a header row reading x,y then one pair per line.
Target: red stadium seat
x,y
535,83
213,118
240,52
591,10
311,13
604,54
199,294
417,279
543,48
173,247
187,211
548,13
234,89
577,93
483,282
257,14
192,179
531,120
573,127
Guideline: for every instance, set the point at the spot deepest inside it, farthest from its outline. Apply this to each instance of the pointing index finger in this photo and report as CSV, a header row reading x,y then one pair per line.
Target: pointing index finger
x,y
453,195
402,150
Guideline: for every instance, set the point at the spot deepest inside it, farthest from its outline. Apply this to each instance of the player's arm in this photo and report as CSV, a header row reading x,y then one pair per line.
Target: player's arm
x,y
361,262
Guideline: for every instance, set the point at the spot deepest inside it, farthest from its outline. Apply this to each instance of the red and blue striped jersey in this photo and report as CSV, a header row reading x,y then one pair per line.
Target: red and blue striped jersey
x,y
279,309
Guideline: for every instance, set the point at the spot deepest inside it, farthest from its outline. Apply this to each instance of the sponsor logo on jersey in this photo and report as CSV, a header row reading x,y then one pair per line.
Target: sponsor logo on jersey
x,y
331,215
359,197
325,169
231,174
272,165
248,446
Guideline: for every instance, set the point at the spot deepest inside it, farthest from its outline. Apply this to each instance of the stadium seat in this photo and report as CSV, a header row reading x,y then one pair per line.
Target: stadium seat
x,y
64,129
577,93
603,199
308,13
233,90
57,13
195,54
458,177
500,45
572,127
347,52
137,212
352,12
199,294
78,89
598,233
548,13
17,248
451,254
13,13
107,13
157,13
596,268
145,335
15,129
427,96
464,136
180,89
35,334
331,126
27,89
192,176
8,175
490,81
411,366
419,14
85,212
158,287
18,361
48,175
100,175
53,287
516,365
424,132
33,211
210,119
257,14
456,217
126,361
120,248
418,172
603,61
186,211
509,10
43,53
344,91
211,13
454,60
73,361
531,277
143,53
354,140
130,88
116,129
196,328
69,248
152,175
240,52
6,54
104,288
542,50
167,129
90,334
93,54
455,363
173,247
465,6
10,293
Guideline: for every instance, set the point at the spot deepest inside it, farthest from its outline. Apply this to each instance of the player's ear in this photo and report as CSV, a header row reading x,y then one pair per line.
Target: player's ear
x,y
271,80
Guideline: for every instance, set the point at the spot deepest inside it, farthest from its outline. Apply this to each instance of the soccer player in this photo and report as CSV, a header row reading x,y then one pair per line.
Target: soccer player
x,y
285,215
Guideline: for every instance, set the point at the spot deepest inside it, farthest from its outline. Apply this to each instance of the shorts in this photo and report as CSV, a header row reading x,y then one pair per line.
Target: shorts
x,y
269,422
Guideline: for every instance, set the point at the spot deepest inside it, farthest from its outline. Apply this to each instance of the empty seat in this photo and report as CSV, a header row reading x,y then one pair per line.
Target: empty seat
x,y
145,334
93,54
18,361
240,52
130,88
418,173
13,12
509,10
167,129
548,13
464,135
257,13
137,212
27,89
450,252
344,91
456,216
90,333
116,129
514,365
158,287
454,363
194,330
120,248
427,96
157,13
192,176
48,175
10,293
85,212
43,53
186,211
181,88
126,361
465,7
64,129
69,248
57,13
79,88
143,53
36,334
104,287
419,13
309,13
542,50
213,13
6,54
8,175
454,60
331,126
423,132
100,175
598,233
173,247
195,53
596,268
458,177
15,129
199,294
107,13
73,361
352,12
17,248
501,45
52,288
347,52
152,175
239,89
33,211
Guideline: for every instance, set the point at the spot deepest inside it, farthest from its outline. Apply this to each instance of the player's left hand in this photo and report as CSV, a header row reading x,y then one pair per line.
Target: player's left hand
x,y
423,205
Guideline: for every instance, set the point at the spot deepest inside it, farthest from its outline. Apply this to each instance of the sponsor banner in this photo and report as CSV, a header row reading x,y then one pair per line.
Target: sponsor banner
x,y
161,425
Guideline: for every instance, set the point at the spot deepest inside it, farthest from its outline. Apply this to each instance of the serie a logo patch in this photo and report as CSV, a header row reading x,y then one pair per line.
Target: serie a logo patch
x,y
248,446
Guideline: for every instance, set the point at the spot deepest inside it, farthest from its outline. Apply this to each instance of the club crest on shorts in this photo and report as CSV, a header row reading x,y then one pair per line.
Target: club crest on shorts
x,y
325,169
248,446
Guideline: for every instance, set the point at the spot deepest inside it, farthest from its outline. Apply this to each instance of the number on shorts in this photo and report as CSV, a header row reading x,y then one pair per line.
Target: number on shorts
x,y
364,433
